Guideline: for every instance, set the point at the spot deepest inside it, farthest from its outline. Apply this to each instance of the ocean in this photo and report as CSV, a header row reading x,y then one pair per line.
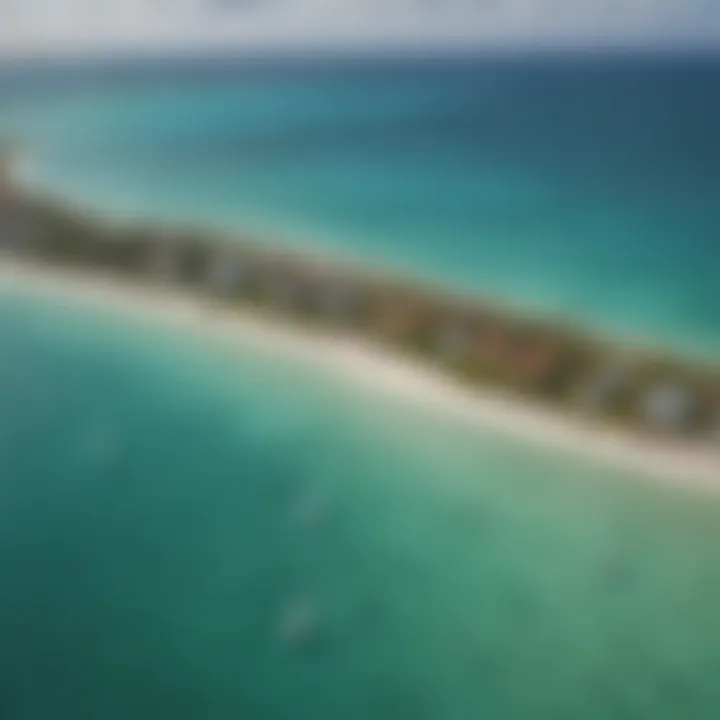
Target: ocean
x,y
585,188
197,531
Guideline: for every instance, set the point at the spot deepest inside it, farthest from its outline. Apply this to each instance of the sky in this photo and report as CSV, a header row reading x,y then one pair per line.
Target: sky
x,y
48,26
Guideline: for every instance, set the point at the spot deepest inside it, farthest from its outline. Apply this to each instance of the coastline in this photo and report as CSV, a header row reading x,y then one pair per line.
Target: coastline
x,y
318,249
676,462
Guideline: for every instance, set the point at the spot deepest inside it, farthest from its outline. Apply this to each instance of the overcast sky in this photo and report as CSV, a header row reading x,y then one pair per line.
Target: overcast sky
x,y
36,26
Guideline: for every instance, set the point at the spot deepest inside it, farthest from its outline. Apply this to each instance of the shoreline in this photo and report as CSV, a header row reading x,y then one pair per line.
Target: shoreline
x,y
319,250
676,462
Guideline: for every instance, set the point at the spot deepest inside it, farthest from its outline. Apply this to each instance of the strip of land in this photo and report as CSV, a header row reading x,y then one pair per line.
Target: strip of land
x,y
680,462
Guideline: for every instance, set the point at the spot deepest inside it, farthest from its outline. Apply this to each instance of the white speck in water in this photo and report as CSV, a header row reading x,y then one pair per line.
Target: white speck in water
x,y
311,511
101,448
299,623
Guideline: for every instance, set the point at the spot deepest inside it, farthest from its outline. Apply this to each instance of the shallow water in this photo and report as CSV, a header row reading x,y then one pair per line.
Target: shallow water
x,y
165,506
193,531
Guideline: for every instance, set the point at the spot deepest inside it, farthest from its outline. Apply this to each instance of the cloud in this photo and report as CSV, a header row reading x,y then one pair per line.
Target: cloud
x,y
36,25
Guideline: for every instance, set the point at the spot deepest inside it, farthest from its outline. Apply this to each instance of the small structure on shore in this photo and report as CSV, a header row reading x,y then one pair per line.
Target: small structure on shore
x,y
454,340
494,346
165,258
227,273
20,220
608,385
538,361
20,229
9,170
399,317
336,301
715,425
285,287
669,407
125,250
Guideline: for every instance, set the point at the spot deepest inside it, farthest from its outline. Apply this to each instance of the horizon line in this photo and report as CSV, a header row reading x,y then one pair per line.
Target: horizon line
x,y
366,52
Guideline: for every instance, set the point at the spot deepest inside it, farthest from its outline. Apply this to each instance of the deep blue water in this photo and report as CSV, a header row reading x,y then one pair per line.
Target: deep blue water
x,y
165,500
583,187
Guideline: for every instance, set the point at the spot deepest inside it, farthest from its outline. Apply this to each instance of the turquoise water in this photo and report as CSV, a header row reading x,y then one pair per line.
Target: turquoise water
x,y
166,502
585,188
163,505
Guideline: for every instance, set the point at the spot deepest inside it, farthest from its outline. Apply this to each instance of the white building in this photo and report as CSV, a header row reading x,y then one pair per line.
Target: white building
x,y
336,302
165,259
668,407
227,274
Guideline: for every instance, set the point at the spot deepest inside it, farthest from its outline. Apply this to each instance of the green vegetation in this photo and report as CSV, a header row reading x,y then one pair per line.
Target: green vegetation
x,y
477,344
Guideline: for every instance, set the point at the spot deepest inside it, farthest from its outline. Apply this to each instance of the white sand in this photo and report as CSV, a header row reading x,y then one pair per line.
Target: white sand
x,y
680,463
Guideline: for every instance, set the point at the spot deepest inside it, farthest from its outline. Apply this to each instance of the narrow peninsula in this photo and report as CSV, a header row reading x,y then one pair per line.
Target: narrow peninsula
x,y
643,408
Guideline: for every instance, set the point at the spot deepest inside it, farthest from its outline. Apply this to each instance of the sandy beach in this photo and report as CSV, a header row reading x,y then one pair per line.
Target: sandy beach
x,y
678,463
